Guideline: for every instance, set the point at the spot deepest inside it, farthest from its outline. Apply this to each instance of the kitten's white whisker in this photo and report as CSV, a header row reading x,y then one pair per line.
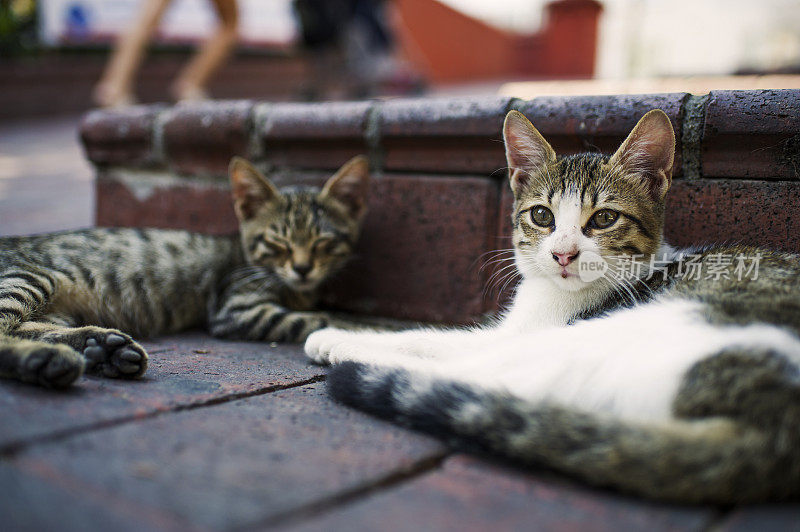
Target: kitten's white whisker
x,y
495,262
510,279
617,285
499,277
495,286
493,255
499,273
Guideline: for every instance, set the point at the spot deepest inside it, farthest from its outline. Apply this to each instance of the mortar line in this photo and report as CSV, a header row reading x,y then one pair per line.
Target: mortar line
x,y
693,108
372,137
259,116
9,450
308,511
159,150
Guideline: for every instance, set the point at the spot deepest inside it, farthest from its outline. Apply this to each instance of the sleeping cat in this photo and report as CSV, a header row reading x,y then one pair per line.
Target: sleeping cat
x,y
63,296
678,379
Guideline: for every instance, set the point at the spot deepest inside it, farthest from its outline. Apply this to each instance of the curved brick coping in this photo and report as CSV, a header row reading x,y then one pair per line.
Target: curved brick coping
x,y
439,198
735,134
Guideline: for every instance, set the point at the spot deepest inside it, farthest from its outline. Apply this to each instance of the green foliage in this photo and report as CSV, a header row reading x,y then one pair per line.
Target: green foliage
x,y
17,27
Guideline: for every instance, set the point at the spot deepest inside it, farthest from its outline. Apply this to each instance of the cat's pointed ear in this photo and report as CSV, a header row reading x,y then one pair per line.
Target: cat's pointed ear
x,y
649,152
251,189
527,152
350,185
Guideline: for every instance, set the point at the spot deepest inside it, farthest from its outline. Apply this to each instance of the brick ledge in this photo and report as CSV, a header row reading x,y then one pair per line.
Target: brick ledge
x,y
440,199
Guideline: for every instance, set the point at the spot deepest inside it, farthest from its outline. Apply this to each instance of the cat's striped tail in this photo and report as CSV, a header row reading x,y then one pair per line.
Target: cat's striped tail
x,y
705,459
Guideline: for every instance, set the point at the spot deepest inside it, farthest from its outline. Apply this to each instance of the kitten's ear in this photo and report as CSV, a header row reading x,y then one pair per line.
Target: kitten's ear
x,y
350,185
649,152
251,189
527,152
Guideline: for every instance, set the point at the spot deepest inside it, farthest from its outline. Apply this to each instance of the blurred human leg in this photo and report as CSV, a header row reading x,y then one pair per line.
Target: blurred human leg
x,y
115,87
191,82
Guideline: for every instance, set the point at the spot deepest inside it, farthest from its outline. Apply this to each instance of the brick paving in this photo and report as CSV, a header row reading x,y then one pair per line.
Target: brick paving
x,y
241,436
45,182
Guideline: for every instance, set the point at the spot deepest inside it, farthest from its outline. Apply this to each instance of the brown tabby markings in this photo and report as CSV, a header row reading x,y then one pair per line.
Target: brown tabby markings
x,y
731,430
65,296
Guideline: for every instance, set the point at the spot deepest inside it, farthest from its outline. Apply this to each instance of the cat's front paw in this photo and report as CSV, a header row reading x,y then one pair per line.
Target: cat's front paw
x,y
319,344
334,346
52,366
114,354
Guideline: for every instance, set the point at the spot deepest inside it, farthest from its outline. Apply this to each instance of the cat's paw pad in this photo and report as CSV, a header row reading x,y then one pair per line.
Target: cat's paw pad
x,y
319,344
114,354
52,366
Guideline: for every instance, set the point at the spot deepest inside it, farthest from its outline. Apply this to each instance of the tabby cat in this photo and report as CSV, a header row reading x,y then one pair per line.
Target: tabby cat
x,y
63,296
662,380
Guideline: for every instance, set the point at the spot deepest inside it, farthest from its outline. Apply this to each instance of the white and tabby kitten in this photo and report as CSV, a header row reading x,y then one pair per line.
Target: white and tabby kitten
x,y
664,383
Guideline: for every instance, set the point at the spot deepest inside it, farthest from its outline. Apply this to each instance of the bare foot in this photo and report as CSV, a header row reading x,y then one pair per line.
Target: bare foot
x,y
189,93
106,95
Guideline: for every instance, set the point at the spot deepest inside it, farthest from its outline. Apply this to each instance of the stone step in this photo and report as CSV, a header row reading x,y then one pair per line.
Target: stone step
x,y
440,199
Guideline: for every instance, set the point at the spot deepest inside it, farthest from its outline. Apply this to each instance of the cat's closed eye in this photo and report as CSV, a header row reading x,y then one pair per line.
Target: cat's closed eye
x,y
331,246
271,248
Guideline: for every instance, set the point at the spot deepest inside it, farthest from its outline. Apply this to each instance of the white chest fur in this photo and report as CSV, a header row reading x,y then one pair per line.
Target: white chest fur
x,y
539,303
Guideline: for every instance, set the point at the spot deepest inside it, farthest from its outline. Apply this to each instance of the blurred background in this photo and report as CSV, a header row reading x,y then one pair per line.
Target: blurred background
x,y
335,49
59,58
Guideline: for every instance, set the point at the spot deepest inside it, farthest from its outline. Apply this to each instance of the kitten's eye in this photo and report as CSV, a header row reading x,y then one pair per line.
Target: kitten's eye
x,y
542,216
264,250
270,248
339,250
603,219
322,244
331,246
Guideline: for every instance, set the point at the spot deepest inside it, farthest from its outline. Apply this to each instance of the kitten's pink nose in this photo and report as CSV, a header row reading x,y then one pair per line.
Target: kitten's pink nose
x,y
565,258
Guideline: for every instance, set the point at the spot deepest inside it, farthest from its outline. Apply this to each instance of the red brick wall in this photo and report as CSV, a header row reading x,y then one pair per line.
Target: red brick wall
x,y
440,198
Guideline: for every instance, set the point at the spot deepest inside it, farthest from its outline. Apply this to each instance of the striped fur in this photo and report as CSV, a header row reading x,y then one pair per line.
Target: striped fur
x,y
65,298
719,449
678,386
